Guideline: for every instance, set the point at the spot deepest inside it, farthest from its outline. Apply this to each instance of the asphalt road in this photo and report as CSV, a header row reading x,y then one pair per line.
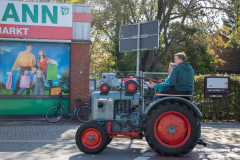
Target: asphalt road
x,y
44,141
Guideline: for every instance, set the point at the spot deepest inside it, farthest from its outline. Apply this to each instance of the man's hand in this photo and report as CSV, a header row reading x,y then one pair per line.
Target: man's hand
x,y
151,84
25,72
12,70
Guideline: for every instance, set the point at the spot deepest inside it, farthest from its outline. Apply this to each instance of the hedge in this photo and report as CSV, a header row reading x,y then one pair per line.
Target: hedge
x,y
212,109
219,109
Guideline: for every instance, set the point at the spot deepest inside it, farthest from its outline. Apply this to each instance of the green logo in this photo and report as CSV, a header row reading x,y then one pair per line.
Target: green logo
x,y
65,10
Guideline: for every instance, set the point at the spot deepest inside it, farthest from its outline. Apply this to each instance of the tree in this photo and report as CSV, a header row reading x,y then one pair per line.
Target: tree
x,y
100,60
109,15
193,42
170,12
64,80
233,22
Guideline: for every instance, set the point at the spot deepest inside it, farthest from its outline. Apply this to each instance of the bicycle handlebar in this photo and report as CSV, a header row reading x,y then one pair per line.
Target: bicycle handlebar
x,y
60,94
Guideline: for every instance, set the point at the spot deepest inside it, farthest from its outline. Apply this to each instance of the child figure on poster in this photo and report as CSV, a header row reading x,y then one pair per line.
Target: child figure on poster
x,y
40,81
31,74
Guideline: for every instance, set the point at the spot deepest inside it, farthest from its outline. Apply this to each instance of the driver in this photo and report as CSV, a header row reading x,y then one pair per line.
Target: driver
x,y
182,77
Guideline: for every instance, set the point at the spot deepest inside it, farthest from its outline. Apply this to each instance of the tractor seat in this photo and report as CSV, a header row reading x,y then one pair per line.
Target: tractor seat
x,y
173,95
77,100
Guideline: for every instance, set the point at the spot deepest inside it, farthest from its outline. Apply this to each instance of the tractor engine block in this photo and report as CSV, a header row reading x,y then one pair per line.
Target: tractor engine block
x,y
124,113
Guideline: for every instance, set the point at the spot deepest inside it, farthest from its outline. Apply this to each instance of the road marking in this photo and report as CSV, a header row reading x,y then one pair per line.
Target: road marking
x,y
146,155
149,154
142,158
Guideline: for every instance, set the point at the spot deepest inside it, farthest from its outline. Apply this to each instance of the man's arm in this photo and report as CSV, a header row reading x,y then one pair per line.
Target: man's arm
x,y
26,73
17,62
34,60
173,77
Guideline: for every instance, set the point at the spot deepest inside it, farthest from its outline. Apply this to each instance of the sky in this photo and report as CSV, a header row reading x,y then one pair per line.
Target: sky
x,y
10,50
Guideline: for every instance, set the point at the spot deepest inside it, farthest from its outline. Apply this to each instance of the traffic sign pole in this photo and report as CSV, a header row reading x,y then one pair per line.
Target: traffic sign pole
x,y
138,49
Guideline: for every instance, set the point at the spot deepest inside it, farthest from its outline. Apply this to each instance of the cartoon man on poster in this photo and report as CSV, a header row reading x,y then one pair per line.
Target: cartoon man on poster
x,y
26,60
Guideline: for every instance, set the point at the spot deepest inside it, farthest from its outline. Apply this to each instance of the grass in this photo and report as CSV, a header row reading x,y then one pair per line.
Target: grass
x,y
10,92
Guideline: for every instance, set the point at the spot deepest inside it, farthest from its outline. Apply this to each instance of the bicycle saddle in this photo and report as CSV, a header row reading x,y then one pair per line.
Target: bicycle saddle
x,y
78,100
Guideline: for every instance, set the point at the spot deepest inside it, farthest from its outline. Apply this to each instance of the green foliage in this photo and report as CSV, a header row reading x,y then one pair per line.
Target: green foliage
x,y
233,22
64,79
109,15
227,108
192,43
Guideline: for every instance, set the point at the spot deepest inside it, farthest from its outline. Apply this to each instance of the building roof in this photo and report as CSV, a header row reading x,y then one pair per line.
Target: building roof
x,y
232,58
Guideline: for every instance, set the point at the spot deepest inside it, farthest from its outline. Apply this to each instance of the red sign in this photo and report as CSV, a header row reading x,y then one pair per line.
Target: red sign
x,y
27,31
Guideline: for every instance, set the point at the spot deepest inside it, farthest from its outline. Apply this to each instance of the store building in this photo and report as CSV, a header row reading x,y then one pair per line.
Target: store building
x,y
56,38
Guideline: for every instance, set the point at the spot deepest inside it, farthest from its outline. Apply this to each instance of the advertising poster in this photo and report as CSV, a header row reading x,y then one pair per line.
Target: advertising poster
x,y
34,69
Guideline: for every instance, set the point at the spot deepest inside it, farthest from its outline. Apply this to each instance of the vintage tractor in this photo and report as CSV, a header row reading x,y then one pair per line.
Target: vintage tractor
x,y
170,125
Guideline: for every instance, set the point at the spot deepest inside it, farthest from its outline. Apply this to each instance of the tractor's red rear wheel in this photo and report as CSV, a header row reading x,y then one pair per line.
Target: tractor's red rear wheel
x,y
92,138
172,129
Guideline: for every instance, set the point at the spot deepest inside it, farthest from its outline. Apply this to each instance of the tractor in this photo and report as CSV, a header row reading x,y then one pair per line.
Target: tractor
x,y
170,125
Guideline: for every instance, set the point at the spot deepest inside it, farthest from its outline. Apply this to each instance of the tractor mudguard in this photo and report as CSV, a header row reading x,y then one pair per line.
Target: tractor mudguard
x,y
171,99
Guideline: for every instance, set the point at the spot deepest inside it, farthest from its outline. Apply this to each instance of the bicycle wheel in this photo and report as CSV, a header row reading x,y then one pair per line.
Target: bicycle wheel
x,y
83,114
54,114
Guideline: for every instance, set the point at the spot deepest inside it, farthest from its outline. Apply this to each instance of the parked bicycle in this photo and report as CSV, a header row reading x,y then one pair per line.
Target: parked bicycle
x,y
55,113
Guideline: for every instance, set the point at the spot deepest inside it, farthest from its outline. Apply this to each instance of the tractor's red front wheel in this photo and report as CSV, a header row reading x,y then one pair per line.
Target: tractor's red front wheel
x,y
92,138
172,129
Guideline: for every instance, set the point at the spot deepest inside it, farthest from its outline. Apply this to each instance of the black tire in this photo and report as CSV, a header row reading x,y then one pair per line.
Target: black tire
x,y
93,129
84,114
110,140
54,114
156,140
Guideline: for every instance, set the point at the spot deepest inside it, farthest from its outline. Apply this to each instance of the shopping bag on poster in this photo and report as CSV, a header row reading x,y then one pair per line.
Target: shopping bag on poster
x,y
9,82
14,80
55,91
52,72
24,82
54,62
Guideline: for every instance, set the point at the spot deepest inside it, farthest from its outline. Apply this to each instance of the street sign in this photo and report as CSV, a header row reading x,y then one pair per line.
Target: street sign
x,y
140,36
146,28
148,37
146,43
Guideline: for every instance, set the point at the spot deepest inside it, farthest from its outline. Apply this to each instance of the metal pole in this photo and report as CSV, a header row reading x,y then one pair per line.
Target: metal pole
x,y
138,49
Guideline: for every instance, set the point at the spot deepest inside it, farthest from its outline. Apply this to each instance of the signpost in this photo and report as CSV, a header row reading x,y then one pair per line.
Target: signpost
x,y
140,36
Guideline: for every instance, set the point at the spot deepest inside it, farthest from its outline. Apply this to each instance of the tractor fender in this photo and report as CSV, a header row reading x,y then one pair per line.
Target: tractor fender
x,y
171,99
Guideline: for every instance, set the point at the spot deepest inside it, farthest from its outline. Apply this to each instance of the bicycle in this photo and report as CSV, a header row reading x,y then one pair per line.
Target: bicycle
x,y
55,113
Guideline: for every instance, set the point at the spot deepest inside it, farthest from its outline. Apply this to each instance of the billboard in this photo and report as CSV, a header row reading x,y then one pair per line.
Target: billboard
x,y
35,20
34,69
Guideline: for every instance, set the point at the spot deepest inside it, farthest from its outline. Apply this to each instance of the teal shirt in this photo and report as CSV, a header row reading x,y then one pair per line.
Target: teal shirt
x,y
160,86
183,76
